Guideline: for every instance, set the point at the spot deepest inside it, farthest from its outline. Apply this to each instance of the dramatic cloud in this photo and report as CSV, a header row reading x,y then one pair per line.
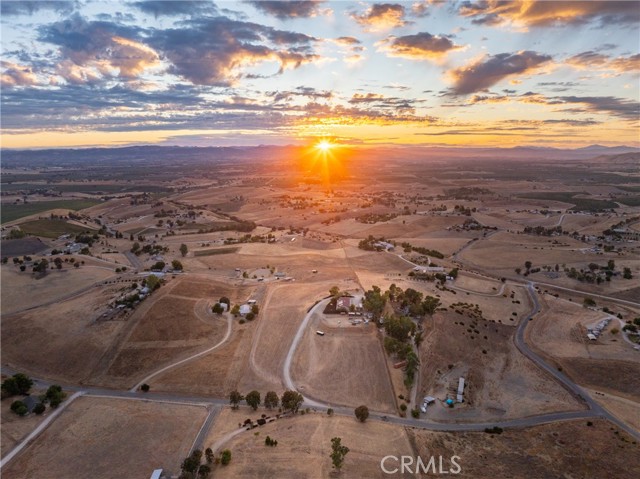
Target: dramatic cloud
x,y
92,51
381,16
289,9
598,61
207,51
175,7
484,73
550,13
421,46
24,7
16,75
210,51
621,107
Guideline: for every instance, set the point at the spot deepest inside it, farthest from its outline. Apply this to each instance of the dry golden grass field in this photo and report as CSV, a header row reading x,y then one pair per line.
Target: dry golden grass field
x,y
106,438
547,451
499,381
346,366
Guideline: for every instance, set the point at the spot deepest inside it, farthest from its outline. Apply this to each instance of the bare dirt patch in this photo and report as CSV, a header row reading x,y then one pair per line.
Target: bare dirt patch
x,y
106,438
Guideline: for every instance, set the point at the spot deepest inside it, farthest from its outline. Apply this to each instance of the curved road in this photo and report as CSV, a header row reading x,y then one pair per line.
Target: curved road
x,y
594,411
286,369
182,361
572,387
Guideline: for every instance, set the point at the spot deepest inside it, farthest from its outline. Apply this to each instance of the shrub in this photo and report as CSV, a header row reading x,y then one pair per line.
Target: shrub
x,y
19,408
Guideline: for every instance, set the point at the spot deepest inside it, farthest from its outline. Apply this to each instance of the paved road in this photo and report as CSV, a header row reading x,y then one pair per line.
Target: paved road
x,y
572,387
199,441
134,260
594,411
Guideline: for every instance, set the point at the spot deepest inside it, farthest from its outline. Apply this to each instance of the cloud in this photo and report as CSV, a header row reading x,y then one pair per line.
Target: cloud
x,y
488,99
289,9
14,75
347,41
550,13
307,92
621,107
599,61
353,59
92,51
382,102
421,46
175,7
317,114
422,8
212,51
205,51
486,72
24,7
381,16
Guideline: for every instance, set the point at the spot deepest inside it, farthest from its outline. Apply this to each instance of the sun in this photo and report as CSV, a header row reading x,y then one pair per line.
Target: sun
x,y
324,146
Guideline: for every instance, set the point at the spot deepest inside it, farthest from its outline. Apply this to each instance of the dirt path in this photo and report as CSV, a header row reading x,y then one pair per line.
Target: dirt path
x,y
190,358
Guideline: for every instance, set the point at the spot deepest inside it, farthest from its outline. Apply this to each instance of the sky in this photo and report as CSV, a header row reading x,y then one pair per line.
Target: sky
x,y
469,73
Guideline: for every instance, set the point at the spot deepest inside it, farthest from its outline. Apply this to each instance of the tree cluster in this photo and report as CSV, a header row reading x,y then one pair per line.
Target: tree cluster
x,y
271,400
18,384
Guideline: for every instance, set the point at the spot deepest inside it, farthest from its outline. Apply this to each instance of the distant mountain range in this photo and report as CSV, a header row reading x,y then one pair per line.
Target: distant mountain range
x,y
186,154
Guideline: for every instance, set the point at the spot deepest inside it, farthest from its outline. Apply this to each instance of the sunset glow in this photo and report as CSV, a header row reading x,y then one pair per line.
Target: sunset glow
x,y
228,73
324,146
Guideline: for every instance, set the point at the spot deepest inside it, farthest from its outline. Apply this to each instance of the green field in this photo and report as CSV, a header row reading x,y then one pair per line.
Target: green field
x,y
48,228
210,252
14,212
581,204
